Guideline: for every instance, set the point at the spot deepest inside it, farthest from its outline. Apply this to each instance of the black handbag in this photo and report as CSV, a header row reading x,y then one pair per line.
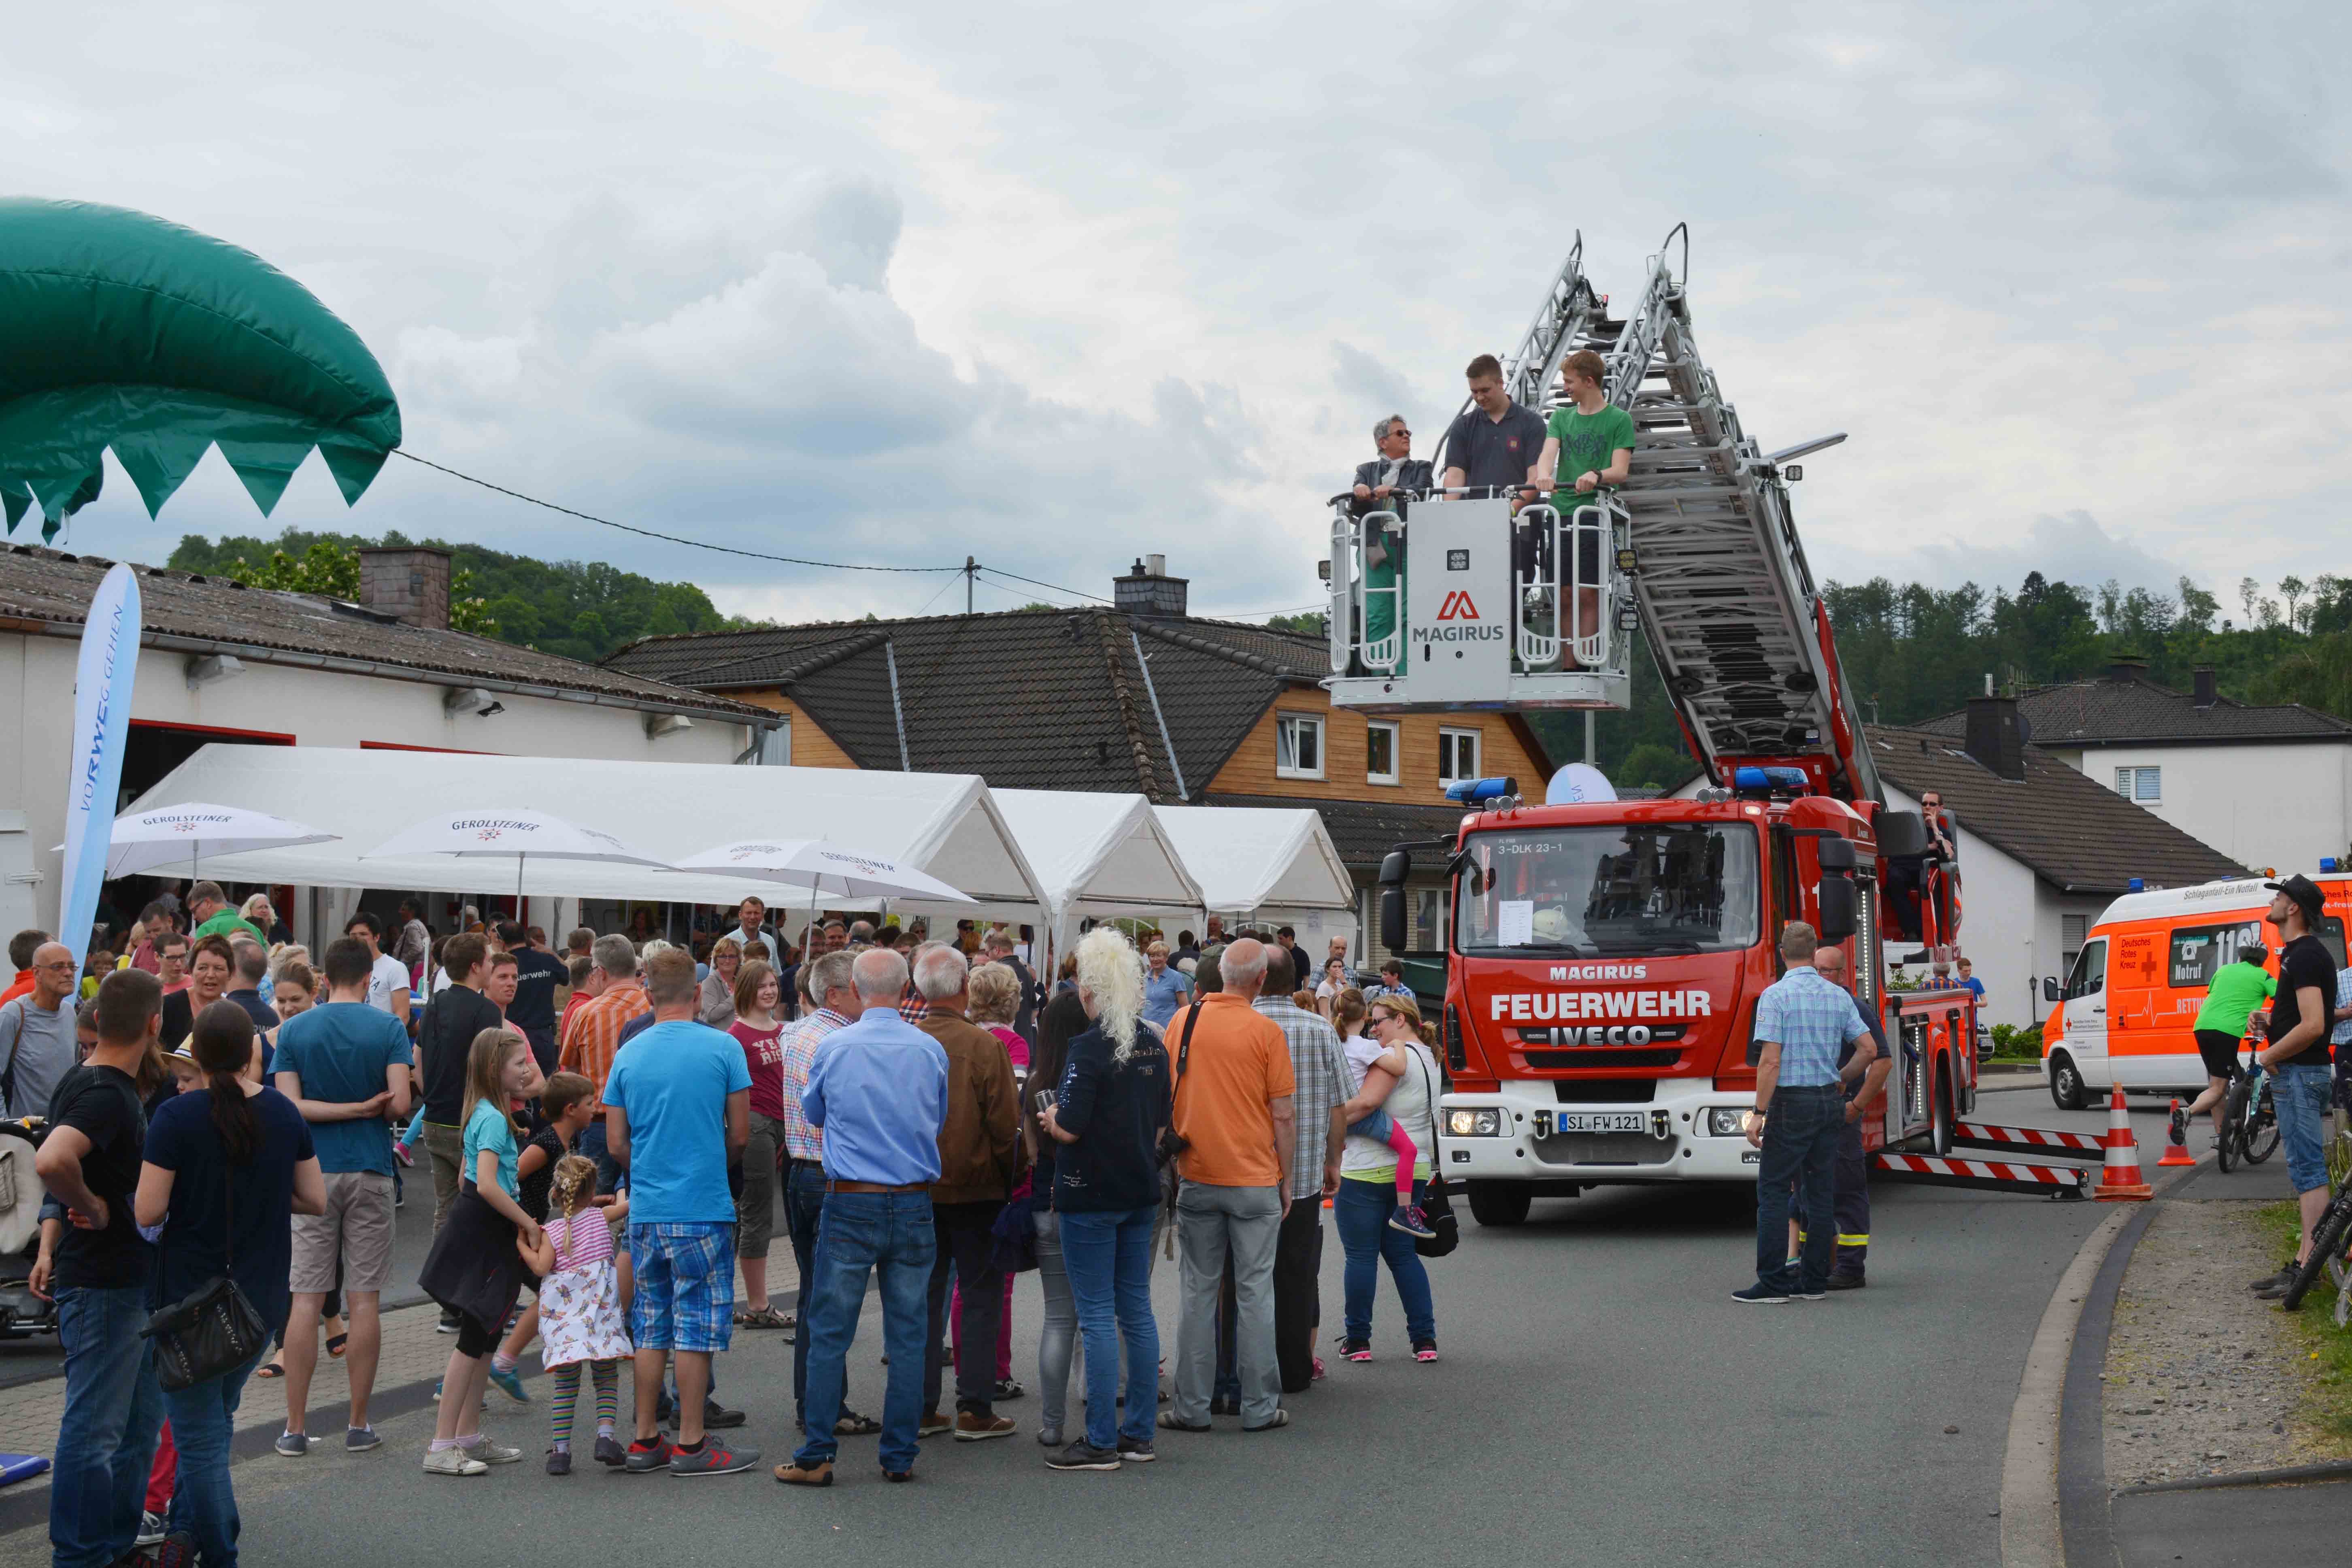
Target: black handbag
x,y
214,1328
1436,1204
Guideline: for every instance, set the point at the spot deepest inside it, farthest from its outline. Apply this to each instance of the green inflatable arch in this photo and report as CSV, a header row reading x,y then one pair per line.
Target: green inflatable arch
x,y
127,331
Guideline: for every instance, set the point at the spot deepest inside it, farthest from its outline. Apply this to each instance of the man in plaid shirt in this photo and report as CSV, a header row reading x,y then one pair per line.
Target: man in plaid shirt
x,y
828,1002
1803,1021
1319,1069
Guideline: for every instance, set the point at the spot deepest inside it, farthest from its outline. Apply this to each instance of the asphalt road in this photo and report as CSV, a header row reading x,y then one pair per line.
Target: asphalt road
x,y
1601,1399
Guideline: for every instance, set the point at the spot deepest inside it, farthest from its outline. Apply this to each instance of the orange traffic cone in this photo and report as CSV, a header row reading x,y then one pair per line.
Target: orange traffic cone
x,y
2121,1181
2176,1152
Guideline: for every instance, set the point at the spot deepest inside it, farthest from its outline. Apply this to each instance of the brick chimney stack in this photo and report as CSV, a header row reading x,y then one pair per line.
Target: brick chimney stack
x,y
1994,738
410,583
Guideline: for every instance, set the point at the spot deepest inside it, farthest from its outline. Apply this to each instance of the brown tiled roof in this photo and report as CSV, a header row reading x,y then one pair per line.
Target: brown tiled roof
x,y
2111,712
41,588
1027,699
1363,831
2065,826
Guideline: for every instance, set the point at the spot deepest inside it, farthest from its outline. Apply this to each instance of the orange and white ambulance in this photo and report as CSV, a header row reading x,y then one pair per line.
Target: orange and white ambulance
x,y
2124,1011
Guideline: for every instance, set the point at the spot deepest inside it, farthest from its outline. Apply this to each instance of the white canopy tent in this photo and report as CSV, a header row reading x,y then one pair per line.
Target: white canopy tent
x,y
1098,855
1249,858
944,823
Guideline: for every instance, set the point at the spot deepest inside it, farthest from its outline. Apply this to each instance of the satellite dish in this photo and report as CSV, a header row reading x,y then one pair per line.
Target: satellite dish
x,y
1578,784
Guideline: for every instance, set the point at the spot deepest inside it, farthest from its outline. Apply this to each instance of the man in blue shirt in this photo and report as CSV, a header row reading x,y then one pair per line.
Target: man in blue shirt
x,y
878,1089
677,1112
345,1067
1165,989
1803,1021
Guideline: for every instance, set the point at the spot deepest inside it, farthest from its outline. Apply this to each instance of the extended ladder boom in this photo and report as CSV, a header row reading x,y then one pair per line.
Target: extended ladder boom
x,y
1571,317
1741,634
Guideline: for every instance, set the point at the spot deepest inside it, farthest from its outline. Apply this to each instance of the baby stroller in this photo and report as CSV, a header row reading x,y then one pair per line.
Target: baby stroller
x,y
22,1313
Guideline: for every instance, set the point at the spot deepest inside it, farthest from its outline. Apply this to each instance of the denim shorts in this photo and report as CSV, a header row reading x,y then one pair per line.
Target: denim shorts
x,y
685,1286
2300,1090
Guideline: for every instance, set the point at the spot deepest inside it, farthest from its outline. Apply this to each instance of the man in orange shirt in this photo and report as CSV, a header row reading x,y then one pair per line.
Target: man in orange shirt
x,y
21,948
1234,1114
593,1035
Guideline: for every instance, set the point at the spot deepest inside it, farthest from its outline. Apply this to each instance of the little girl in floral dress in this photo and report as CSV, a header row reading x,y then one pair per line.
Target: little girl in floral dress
x,y
580,1308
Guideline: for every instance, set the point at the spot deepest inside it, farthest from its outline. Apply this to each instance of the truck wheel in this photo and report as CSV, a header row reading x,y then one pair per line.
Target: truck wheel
x,y
1940,1114
1500,1203
2065,1082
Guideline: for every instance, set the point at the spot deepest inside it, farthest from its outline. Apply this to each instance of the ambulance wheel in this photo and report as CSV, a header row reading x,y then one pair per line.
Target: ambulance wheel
x,y
1940,1114
2065,1082
1500,1203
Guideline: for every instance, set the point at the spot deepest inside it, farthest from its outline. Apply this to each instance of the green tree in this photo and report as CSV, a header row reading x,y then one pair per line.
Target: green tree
x,y
1309,622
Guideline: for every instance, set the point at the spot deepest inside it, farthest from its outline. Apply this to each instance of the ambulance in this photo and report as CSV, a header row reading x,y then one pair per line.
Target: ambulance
x,y
2123,1012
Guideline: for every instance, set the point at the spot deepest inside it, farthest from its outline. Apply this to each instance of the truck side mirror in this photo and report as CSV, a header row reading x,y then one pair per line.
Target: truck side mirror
x,y
1392,912
2049,988
1900,833
1835,854
1839,909
1395,867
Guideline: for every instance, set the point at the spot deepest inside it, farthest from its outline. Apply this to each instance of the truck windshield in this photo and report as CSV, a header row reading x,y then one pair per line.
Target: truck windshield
x,y
1610,890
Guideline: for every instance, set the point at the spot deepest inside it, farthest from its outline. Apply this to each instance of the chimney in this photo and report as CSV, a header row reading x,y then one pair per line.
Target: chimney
x,y
1994,738
2207,694
410,583
2127,667
1148,590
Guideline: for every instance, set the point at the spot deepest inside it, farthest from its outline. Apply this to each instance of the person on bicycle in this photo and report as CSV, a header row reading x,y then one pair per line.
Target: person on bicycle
x,y
2231,998
2299,1058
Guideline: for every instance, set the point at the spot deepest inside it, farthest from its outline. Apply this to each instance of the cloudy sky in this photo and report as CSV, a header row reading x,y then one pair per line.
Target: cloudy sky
x,y
1053,286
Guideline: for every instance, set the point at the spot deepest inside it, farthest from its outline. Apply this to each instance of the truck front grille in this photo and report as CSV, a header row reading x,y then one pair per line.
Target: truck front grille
x,y
1605,1148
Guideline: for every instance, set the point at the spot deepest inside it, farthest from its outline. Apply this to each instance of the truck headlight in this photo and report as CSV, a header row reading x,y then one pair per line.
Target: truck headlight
x,y
1474,1123
1723,1121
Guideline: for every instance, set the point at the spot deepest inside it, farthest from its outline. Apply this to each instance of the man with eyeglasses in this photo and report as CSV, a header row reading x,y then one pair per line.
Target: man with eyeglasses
x,y
37,1034
1385,485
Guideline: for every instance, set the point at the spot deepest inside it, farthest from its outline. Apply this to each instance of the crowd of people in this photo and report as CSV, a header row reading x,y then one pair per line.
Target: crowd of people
x,y
615,1135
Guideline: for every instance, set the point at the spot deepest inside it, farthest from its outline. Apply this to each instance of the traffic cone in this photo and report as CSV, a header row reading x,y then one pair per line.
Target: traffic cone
x,y
2121,1181
2176,1152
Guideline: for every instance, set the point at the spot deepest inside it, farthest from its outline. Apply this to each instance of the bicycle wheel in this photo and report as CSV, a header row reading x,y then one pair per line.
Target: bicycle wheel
x,y
2339,1180
2233,1123
2328,1239
2261,1128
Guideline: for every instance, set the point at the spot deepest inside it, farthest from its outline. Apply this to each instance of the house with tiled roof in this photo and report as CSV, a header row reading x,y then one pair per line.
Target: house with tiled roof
x,y
1136,695
2267,785
220,661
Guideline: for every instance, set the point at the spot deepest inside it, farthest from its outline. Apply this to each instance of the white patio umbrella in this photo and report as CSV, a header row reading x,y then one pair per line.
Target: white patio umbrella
x,y
173,836
822,867
522,833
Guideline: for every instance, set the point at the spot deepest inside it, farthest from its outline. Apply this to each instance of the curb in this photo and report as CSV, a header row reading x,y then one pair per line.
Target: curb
x,y
2332,1471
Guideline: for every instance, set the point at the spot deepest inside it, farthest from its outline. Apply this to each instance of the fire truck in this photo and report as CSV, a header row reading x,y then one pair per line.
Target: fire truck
x,y
1603,958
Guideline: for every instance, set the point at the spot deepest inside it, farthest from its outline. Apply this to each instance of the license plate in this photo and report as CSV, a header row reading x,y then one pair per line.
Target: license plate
x,y
1601,1120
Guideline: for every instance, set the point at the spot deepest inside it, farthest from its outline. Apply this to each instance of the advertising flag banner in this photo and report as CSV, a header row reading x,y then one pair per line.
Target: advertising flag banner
x,y
110,659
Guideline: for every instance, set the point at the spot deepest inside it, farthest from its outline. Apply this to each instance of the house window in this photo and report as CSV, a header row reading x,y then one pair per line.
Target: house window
x,y
1380,752
1298,746
2142,784
1457,756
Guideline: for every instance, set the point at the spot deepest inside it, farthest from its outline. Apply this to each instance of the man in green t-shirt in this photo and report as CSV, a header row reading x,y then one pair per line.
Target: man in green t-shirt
x,y
1588,450
2231,998
216,916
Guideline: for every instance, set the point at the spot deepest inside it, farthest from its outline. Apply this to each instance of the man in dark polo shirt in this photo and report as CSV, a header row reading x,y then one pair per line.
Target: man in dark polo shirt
x,y
1495,443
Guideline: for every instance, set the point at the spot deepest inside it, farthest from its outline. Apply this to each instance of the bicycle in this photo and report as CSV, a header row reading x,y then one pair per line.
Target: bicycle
x,y
2250,1128
2331,1237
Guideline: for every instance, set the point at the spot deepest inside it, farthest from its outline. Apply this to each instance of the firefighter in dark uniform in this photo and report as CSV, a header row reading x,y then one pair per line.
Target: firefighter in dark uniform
x,y
1852,1169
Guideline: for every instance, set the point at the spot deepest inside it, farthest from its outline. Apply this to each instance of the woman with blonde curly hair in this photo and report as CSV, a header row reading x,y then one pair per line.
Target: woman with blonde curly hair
x,y
1106,1117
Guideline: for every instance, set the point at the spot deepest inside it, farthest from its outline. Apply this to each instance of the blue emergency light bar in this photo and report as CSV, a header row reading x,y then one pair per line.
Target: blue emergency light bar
x,y
2328,863
2139,884
1476,791
1751,778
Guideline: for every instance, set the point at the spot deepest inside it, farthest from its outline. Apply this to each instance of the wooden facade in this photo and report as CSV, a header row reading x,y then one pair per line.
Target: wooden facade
x,y
811,747
1505,747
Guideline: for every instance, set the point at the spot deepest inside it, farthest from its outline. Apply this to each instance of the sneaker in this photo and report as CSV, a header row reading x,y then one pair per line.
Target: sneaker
x,y
491,1453
175,1551
799,1475
713,1459
1006,1388
2278,1282
972,1426
400,1152
1853,1281
717,1417
447,1325
1413,1221
1083,1456
1138,1451
1355,1350
1317,1375
932,1424
896,1477
1049,1437
559,1461
293,1445
509,1382
152,1529
644,1458
360,1439
610,1452
452,1462
2180,1125
1756,1295
1424,1349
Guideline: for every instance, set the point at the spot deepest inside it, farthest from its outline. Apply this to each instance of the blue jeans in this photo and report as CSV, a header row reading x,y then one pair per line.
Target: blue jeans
x,y
608,1170
106,1441
2300,1091
1800,1137
888,1235
1361,1212
804,1207
1109,1259
203,1503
